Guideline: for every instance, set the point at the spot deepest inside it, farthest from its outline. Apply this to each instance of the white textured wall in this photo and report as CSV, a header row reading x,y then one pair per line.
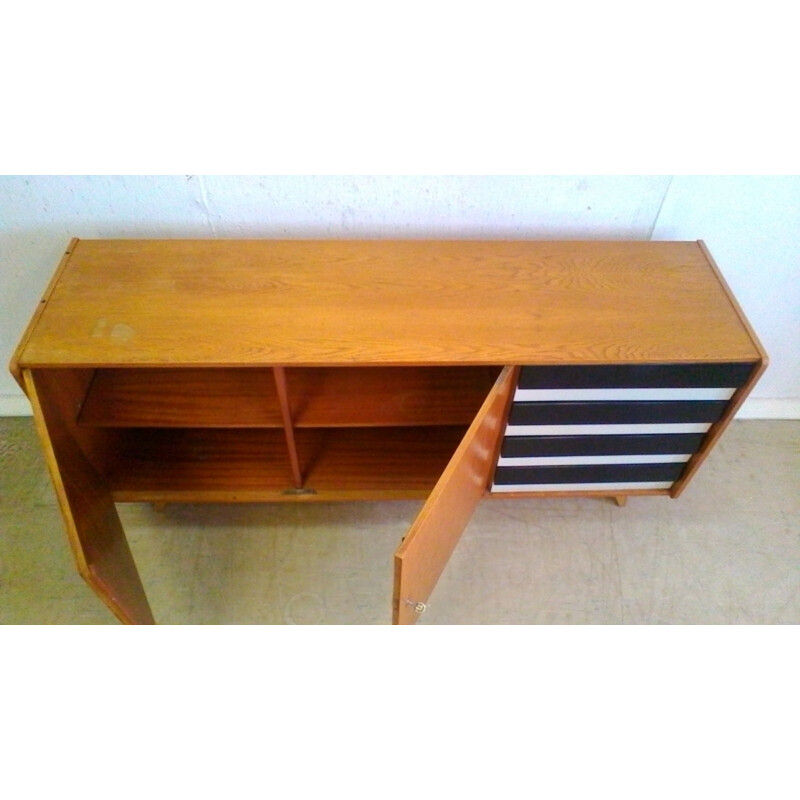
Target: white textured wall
x,y
749,224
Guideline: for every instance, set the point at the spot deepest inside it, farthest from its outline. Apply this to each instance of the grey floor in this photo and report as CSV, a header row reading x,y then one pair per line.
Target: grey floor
x,y
727,551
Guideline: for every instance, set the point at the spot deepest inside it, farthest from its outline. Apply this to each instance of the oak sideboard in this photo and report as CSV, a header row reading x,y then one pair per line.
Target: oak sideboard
x,y
302,371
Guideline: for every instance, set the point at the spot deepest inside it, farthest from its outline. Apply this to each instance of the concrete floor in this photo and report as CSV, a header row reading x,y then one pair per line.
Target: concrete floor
x,y
726,552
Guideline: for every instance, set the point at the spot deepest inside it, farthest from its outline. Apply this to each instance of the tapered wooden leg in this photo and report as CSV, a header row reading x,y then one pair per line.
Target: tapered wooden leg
x,y
620,500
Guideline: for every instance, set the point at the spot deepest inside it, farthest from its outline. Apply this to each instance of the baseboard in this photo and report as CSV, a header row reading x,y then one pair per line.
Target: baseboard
x,y
14,405
754,408
770,408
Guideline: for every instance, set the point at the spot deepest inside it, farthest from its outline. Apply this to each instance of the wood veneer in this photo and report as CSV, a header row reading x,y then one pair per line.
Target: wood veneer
x,y
248,302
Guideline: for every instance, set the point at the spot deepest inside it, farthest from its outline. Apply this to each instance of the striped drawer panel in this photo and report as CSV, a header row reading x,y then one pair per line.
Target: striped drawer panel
x,y
584,446
593,474
636,376
610,427
617,412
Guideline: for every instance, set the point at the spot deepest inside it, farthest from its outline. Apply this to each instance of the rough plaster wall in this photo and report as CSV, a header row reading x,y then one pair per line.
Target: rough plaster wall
x,y
39,214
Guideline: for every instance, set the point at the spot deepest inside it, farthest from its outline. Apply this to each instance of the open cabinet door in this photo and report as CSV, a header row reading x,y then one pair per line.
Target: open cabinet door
x,y
421,558
94,529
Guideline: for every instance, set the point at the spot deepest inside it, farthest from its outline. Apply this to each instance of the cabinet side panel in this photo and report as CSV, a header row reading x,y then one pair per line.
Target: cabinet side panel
x,y
713,435
94,530
421,558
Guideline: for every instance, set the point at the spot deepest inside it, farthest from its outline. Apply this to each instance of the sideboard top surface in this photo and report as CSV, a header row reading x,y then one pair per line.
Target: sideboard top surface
x,y
343,302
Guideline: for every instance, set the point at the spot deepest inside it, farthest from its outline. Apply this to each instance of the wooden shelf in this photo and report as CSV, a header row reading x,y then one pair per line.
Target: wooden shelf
x,y
376,459
318,397
387,396
194,465
182,398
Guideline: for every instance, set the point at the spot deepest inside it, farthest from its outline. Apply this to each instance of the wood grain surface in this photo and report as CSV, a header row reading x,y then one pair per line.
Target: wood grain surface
x,y
738,398
228,465
94,530
423,555
186,398
351,396
251,302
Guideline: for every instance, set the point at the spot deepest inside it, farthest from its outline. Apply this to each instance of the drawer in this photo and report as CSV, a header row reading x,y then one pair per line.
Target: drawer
x,y
635,376
616,412
599,445
584,476
611,427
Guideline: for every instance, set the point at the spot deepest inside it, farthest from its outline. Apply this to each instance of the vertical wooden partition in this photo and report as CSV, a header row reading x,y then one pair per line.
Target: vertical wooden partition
x,y
288,425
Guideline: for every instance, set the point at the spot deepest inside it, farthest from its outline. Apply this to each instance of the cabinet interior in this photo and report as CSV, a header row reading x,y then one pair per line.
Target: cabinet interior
x,y
234,434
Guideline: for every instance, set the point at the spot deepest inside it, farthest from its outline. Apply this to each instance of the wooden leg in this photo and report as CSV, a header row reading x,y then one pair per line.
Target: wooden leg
x,y
620,500
160,506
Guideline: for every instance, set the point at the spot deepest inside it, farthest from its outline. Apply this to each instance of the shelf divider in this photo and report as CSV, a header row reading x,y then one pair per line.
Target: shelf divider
x,y
288,427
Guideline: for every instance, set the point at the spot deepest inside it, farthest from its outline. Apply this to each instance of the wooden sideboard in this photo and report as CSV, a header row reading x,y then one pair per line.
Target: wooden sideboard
x,y
301,371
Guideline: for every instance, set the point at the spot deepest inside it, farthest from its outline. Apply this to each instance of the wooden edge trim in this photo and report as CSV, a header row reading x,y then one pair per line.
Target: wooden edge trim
x,y
14,365
265,496
735,303
288,426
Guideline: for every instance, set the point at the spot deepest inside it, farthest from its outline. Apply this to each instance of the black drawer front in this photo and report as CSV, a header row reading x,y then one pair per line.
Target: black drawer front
x,y
611,427
600,445
635,376
616,412
594,473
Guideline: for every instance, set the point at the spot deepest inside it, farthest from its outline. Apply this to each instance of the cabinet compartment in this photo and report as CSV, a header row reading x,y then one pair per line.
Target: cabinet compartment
x,y
183,398
230,397
206,464
221,434
387,396
399,462
223,465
